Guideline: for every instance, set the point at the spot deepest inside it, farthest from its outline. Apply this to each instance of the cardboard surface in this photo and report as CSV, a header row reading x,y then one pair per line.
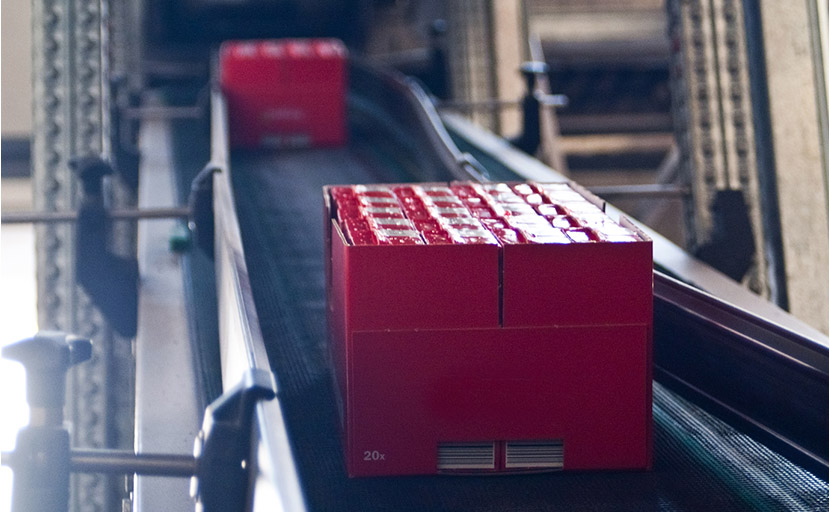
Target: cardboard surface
x,y
285,93
498,354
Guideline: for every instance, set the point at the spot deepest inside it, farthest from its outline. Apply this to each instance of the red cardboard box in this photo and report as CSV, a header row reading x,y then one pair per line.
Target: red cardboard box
x,y
285,93
505,346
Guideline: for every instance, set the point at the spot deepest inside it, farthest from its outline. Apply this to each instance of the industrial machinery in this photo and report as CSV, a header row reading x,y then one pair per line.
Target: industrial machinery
x,y
684,365
735,417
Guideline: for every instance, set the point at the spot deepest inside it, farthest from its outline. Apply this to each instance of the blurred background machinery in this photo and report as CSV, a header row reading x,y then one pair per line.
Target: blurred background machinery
x,y
706,119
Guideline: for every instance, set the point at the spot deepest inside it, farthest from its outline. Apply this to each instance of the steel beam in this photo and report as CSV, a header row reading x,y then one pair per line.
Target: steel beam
x,y
714,127
71,117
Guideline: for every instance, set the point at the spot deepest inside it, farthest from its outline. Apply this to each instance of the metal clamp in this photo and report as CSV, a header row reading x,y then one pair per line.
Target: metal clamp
x,y
110,279
42,460
531,136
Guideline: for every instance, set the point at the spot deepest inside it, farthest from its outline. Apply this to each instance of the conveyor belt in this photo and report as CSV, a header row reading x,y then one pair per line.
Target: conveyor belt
x,y
716,343
700,462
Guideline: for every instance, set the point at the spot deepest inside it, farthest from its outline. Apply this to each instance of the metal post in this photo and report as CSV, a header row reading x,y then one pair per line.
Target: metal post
x,y
71,118
122,462
713,118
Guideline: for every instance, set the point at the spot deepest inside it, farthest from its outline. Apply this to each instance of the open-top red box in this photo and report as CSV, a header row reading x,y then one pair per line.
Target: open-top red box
x,y
487,328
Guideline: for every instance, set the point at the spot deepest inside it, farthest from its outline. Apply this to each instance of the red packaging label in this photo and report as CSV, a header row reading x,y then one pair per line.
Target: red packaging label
x,y
476,240
581,208
360,237
551,210
620,238
497,188
391,223
419,214
465,213
447,203
356,223
508,236
474,202
368,192
463,224
523,189
552,237
495,223
348,212
412,202
464,191
384,212
400,240
403,192
428,226
483,213
342,192
437,237
581,235
564,222
519,209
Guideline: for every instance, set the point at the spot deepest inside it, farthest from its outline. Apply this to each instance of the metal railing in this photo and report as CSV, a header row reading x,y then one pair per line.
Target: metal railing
x,y
241,345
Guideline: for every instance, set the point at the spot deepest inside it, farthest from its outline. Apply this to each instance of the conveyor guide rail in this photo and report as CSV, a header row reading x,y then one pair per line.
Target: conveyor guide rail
x,y
701,463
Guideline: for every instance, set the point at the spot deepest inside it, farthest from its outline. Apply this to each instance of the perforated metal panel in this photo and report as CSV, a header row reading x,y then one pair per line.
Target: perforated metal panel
x,y
534,454
466,456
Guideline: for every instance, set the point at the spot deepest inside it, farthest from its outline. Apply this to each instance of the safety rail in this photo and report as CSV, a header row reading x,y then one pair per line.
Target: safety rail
x,y
242,347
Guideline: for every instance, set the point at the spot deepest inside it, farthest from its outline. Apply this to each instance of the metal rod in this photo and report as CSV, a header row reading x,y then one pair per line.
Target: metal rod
x,y
546,100
163,112
641,191
493,104
123,462
71,216
173,70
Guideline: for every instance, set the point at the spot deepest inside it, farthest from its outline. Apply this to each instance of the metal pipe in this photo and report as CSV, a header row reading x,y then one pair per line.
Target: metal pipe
x,y
163,112
641,191
493,104
180,212
240,333
546,100
123,462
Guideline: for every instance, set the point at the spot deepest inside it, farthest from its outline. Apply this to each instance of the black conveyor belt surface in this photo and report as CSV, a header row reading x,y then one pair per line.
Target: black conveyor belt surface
x,y
700,463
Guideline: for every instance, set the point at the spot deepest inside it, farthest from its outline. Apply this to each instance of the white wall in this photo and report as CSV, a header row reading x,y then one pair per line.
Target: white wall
x,y
16,68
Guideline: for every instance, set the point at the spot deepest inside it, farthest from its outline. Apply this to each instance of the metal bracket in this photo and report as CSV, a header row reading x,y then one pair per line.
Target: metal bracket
x,y
731,245
531,136
200,204
42,460
41,457
111,280
223,446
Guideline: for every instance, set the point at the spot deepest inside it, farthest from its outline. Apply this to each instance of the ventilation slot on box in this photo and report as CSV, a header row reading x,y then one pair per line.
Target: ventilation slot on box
x,y
534,454
466,456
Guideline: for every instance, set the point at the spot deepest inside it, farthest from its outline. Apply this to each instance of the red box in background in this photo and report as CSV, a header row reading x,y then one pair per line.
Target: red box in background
x,y
485,338
285,93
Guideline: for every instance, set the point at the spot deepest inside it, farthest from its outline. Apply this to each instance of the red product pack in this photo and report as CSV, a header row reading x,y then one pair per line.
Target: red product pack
x,y
505,341
285,92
